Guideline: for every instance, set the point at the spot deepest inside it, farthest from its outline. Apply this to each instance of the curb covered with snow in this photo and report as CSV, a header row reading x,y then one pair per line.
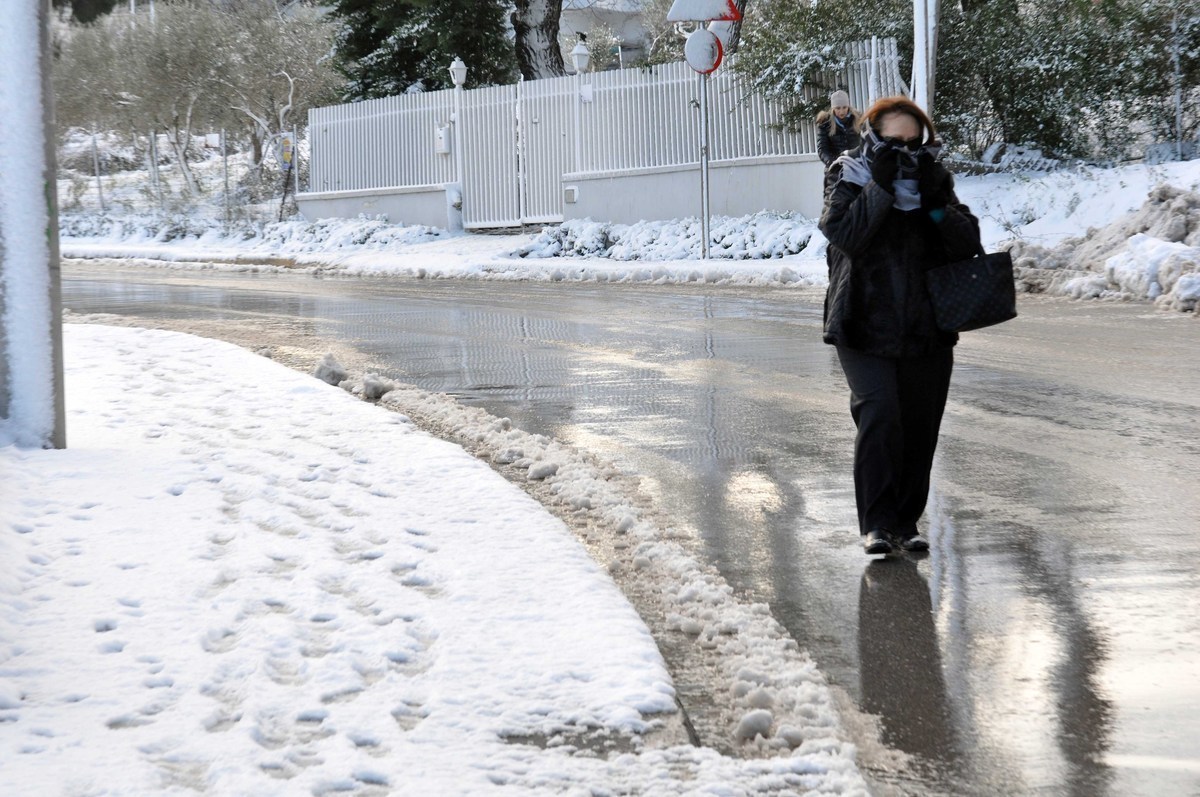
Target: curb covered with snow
x,y
777,698
343,603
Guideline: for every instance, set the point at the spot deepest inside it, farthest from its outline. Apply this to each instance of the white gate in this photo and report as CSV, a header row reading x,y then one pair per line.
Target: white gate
x,y
517,143
488,137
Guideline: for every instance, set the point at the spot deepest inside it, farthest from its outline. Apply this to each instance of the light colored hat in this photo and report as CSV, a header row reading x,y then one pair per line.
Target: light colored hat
x,y
839,99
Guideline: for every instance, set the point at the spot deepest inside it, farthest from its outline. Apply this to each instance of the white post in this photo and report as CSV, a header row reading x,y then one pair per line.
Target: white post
x,y
873,75
521,165
925,30
704,220
457,139
578,121
96,168
31,355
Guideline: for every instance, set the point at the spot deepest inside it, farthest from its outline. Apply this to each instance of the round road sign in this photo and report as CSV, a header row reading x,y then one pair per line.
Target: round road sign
x,y
703,51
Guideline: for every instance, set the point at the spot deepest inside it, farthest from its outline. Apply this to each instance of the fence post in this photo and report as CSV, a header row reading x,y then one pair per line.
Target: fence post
x,y
704,220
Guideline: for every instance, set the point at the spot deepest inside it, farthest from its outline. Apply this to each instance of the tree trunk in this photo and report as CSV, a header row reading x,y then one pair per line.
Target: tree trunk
x,y
536,26
735,29
179,139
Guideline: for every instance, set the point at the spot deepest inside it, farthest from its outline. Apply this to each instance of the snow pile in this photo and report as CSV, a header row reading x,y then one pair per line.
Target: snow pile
x,y
758,236
341,235
1152,253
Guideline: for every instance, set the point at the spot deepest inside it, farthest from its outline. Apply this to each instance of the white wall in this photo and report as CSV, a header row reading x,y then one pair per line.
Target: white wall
x,y
422,204
736,188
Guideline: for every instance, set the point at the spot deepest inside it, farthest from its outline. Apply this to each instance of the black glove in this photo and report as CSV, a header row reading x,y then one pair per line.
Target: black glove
x,y
885,165
934,183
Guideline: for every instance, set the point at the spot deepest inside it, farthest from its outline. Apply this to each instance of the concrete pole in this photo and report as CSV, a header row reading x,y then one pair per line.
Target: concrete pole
x,y
31,369
58,436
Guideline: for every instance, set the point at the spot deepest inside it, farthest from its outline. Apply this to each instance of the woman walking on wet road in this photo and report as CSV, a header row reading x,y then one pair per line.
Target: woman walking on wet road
x,y
891,215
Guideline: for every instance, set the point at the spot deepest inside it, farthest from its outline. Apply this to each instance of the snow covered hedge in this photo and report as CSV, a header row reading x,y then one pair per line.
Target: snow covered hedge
x,y
762,235
281,238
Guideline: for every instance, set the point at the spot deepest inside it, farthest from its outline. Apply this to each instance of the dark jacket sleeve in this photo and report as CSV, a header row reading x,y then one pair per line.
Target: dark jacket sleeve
x,y
959,230
825,147
853,214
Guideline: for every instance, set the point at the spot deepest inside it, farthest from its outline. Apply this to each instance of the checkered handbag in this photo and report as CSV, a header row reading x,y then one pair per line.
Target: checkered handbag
x,y
972,294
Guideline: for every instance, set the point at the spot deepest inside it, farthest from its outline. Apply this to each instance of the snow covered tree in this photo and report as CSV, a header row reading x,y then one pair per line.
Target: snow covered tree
x,y
790,52
388,47
277,67
1071,77
197,66
536,24
664,40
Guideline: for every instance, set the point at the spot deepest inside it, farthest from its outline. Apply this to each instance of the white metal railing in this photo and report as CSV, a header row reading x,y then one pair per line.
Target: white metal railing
x,y
515,143
382,143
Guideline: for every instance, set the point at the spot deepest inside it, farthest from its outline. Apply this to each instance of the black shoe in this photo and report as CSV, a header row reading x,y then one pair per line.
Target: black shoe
x,y
914,542
877,541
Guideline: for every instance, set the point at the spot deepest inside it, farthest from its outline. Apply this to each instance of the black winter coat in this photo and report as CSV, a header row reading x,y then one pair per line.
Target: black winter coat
x,y
833,139
877,302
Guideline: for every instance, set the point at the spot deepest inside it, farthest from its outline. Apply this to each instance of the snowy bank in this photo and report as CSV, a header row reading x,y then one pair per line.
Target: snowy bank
x,y
1152,253
242,580
1036,212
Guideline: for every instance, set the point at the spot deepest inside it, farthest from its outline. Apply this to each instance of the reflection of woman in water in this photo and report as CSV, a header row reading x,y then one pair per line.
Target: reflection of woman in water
x,y
899,661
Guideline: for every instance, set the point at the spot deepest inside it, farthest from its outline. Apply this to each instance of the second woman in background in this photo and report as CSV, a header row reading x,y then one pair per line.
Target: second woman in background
x,y
837,128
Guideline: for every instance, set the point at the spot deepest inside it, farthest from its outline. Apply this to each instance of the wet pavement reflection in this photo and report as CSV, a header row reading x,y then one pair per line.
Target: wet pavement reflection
x,y
1048,644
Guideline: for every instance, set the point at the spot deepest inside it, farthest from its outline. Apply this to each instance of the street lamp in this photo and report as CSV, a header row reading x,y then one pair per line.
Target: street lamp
x,y
580,57
458,72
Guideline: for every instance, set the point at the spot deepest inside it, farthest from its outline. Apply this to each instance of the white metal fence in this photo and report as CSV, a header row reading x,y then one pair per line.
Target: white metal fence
x,y
384,143
515,143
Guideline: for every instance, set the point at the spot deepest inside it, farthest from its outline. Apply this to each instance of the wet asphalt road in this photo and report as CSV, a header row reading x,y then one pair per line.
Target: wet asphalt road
x,y
1050,644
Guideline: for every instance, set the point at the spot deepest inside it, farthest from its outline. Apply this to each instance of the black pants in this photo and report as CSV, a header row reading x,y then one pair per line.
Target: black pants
x,y
897,405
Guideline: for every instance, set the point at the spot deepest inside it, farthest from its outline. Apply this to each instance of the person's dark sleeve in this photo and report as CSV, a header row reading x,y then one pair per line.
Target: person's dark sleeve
x,y
959,229
825,149
852,214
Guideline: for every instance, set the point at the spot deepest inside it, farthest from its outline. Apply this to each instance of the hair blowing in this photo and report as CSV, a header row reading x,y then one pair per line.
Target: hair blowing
x,y
887,105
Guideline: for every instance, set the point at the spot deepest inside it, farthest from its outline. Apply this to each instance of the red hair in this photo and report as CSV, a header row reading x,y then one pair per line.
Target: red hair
x,y
898,104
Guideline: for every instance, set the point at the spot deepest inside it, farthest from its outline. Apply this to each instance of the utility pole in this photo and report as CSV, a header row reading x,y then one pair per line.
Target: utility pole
x,y
31,355
926,20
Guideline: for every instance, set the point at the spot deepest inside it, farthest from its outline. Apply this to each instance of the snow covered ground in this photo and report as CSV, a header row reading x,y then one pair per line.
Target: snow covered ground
x,y
1048,216
241,580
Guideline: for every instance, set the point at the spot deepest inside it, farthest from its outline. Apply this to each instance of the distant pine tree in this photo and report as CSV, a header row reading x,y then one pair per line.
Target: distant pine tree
x,y
86,11
391,47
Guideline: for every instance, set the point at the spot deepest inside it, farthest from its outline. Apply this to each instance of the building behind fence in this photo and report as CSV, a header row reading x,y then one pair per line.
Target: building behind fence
x,y
614,146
